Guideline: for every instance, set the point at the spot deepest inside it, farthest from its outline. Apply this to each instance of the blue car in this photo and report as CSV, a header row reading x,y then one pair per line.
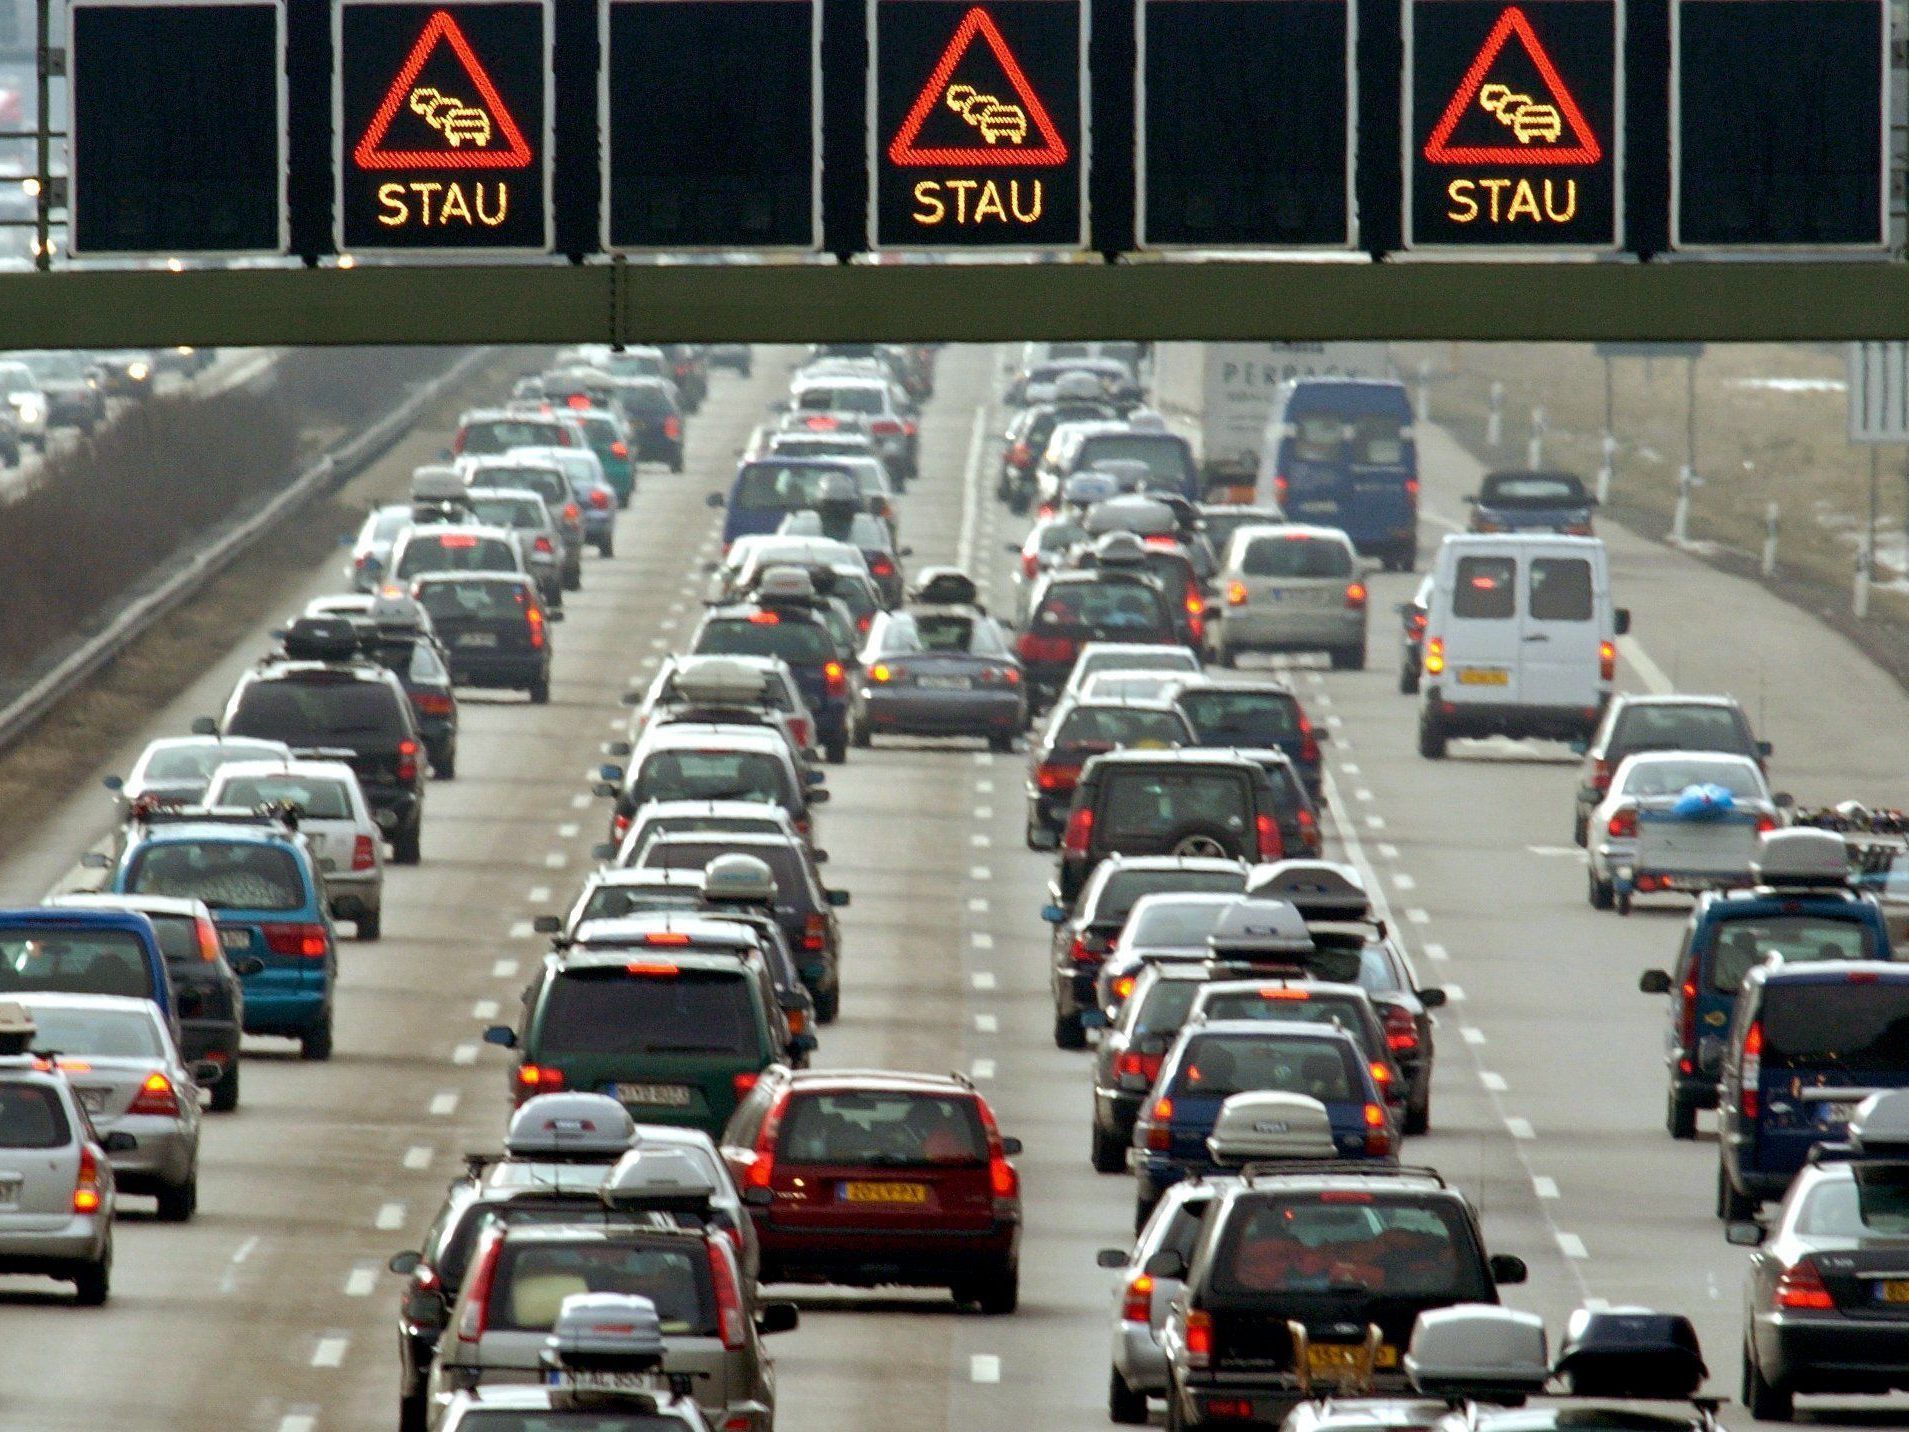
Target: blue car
x,y
769,489
1532,502
268,902
1347,458
1210,1061
71,951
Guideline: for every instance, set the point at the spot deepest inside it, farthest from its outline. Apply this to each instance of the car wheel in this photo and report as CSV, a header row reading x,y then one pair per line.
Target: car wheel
x,y
1680,1115
413,1411
1431,738
540,691
176,1205
1600,891
1349,658
407,845
994,1295
1732,1207
836,749
1001,744
1408,681
93,1284
859,735
315,1044
1069,1033
1124,1405
446,769
1622,900
1766,1403
573,579
225,1093
828,1004
1108,1153
371,926
676,463
1418,1115
607,547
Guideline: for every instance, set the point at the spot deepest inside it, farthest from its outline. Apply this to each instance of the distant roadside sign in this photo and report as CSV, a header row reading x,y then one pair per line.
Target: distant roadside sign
x,y
177,143
1879,393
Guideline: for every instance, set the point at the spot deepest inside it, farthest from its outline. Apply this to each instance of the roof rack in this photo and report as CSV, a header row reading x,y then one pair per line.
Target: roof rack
x,y
149,810
1284,1168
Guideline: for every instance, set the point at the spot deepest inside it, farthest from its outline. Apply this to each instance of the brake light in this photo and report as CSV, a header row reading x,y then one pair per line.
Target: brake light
x,y
407,761
421,1299
1411,487
1049,777
1281,487
1030,565
667,937
1753,1071
476,1315
836,679
815,931
1195,603
1271,846
572,513
432,703
1137,1306
1687,1028
1003,1179
1435,658
543,544
1199,1338
156,1096
1415,623
619,448
1623,823
1285,992
599,499
1019,456
1308,743
534,621
1401,1029
765,618
578,401
1236,594
731,1321
1080,829
743,1083
672,427
364,853
799,728
208,939
1355,596
1160,1126
1765,824
620,825
885,427
309,941
1607,661
880,673
1802,1287
1044,648
1087,949
86,1196
1123,987
1381,1074
881,567
457,540
1600,775
762,1167
1138,1066
1309,830
1378,1138
538,1079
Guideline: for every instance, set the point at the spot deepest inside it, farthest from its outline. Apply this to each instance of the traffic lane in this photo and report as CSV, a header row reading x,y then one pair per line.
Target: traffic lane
x,y
326,1169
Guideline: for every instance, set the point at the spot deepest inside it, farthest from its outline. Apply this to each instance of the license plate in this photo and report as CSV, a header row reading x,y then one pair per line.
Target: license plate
x,y
92,1100
236,939
1483,676
668,1096
1326,1359
1319,505
478,638
858,1192
1893,1290
589,1381
945,683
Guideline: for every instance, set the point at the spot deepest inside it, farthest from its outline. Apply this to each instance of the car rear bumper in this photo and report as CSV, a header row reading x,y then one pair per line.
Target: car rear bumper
x,y
869,1257
1138,1357
1488,718
1261,1399
290,1014
1247,628
1832,1352
216,1039
79,1239
1074,988
1116,1110
945,713
514,670
355,895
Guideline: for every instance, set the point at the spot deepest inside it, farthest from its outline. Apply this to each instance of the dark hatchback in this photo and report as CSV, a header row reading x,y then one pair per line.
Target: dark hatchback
x,y
495,627
798,635
1076,733
655,417
1071,608
1255,712
1532,502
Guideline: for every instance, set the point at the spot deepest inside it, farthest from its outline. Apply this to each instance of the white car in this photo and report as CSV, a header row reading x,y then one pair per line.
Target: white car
x,y
1096,656
1707,850
334,820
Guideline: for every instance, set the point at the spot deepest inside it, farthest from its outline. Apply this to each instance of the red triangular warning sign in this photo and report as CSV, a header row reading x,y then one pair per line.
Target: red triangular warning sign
x,y
1538,128
1004,129
480,135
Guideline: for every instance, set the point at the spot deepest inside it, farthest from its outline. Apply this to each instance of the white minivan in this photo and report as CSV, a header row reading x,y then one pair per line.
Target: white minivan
x,y
1520,639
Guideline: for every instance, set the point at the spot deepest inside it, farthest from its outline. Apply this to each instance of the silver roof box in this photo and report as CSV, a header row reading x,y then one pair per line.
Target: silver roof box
x,y
1138,514
1078,387
597,1329
787,583
740,878
437,484
1478,1350
1085,488
1318,889
659,1177
1800,859
1250,928
574,1125
1880,1125
1130,474
720,683
1266,1124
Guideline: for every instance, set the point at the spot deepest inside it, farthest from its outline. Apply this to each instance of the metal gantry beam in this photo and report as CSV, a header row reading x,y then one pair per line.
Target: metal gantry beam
x,y
528,303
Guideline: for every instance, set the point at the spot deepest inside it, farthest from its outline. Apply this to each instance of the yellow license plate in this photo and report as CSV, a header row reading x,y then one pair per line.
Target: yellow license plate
x,y
1894,1290
1324,1359
884,1193
1483,676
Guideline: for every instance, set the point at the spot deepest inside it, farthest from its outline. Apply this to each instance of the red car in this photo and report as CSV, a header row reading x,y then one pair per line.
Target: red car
x,y
876,1178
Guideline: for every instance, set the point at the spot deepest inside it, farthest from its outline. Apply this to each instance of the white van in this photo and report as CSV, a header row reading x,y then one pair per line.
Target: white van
x,y
1520,639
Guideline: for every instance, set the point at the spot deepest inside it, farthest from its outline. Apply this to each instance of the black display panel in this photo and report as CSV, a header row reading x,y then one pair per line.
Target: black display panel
x,y
1512,135
442,138
709,108
177,129
1778,113
1245,130
976,124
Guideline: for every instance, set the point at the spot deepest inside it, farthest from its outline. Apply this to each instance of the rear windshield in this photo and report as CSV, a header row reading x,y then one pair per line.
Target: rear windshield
x,y
949,632
887,1128
861,398
1296,556
456,552
1482,590
498,1420
318,798
1126,658
711,776
1873,1203
1560,589
1105,727
533,1279
1277,1002
31,1117
1368,966
540,480
186,763
1679,728
800,643
1123,888
1848,1028
1385,1246
1173,924
611,1011
449,601
779,487
298,712
647,400
1113,609
74,961
1216,1066
178,939
226,874
524,513
1165,1007
1153,804
99,1033
1742,945
1168,465
1377,441
1241,718
1668,777
503,434
1533,490
609,902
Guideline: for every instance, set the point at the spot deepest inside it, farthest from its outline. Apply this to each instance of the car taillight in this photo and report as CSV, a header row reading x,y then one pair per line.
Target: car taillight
x,y
534,623
1271,846
1752,1100
1199,1338
208,939
672,427
881,673
423,1302
86,1195
1051,777
799,728
599,499
1143,1067
476,1315
1137,1306
538,1079
1381,1074
620,825
156,1096
407,761
1019,456
1687,1028
432,703
1236,594
762,1168
1802,1287
744,1082
1044,648
1004,1180
364,853
1623,823
1308,742
1087,949
619,448
885,428
543,544
1401,1029
1080,829
881,567
1160,1126
1600,776
1030,565
1309,831
1411,487
310,941
815,931
835,679
1415,623
1355,596
1607,661
1282,486
1435,656
1123,987
1765,824
1378,1138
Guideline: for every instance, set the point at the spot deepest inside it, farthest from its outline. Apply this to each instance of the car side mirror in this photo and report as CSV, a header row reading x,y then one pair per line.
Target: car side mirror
x,y
406,1263
1167,1263
616,748
1507,1269
820,796
1011,1146
502,1035
1432,998
606,789
1654,982
603,850
838,899
249,966
207,1072
547,924
758,1197
777,1318
1764,748
119,1142
204,726
819,857
1744,1235
1783,800
1111,1258
1621,621
804,1044
1054,914
610,771
115,784
95,860
715,499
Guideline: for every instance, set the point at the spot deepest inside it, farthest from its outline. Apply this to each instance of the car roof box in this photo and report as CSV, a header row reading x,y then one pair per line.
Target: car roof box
x,y
1078,387
740,878
1267,1124
1631,1353
1478,1351
1317,889
721,683
1880,1125
945,586
17,1029
1135,514
1800,859
326,638
785,583
1085,488
1250,928
605,1331
437,484
576,1125
659,1178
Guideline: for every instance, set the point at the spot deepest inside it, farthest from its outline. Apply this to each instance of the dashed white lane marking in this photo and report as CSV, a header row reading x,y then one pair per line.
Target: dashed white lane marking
x,y
331,1351
298,1421
1472,1034
1375,822
986,1024
978,905
1455,994
1348,768
581,800
1403,882
1387,852
504,969
229,1280
981,1069
1494,1082
1335,722
981,940
1418,916
1553,852
556,860
667,624
1437,953
1520,1128
1362,794
1544,1186
984,1367
1648,671
982,979
982,758
361,1281
984,788
568,830
1345,742
390,1216
521,930
464,1054
1572,1246
444,1103
658,643
418,1157
484,1009
982,812
539,894
980,872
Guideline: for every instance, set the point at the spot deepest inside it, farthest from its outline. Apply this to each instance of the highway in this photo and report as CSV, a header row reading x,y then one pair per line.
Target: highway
x,y
272,1310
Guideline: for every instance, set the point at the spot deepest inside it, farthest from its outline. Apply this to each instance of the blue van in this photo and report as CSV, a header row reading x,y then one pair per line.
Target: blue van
x,y
70,951
268,902
1807,1045
1340,453
769,489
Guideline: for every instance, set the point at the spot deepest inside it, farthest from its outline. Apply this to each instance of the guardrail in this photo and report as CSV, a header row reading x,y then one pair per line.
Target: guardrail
x,y
339,465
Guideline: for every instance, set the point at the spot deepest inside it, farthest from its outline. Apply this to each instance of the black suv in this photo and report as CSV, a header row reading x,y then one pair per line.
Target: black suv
x,y
320,697
1210,803
1304,1265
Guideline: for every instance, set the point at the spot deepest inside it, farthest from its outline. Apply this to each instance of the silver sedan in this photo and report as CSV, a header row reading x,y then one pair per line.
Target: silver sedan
x,y
1708,848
